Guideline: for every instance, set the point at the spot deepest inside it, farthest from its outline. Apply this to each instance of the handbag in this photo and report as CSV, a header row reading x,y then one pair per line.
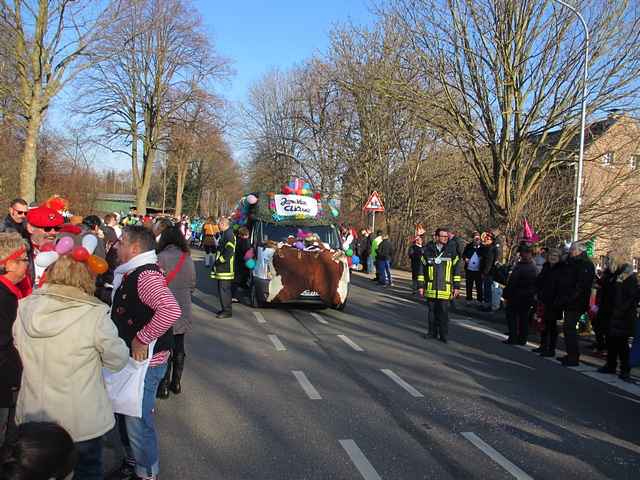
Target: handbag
x,y
126,387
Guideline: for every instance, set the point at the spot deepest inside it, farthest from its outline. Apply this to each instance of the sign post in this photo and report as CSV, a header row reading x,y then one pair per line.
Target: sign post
x,y
373,205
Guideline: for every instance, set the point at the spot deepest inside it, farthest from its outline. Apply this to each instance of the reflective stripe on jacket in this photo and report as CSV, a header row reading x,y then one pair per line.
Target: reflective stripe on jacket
x,y
223,268
440,271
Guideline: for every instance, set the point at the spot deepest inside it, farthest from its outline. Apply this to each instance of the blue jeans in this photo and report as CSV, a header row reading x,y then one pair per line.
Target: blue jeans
x,y
384,271
139,434
370,264
89,465
487,290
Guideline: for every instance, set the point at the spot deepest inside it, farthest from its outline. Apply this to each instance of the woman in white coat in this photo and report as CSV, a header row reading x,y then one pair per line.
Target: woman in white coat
x,y
65,337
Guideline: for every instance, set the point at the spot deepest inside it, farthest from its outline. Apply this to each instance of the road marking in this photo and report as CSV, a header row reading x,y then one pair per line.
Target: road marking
x,y
319,318
396,378
306,385
496,456
277,343
351,343
259,317
360,460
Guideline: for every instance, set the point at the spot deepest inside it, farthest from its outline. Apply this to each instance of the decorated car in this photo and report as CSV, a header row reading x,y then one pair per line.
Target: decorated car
x,y
295,251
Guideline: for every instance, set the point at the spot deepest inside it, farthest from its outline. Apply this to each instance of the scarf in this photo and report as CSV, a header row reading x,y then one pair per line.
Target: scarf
x,y
146,258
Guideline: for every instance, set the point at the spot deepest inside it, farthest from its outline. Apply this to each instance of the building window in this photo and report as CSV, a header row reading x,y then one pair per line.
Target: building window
x,y
635,161
607,159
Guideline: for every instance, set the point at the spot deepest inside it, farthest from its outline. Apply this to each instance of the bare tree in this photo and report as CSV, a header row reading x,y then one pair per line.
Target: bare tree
x,y
505,74
152,63
49,45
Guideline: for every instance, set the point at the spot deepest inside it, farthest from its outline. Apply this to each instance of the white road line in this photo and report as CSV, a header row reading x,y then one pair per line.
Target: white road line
x,y
304,382
277,343
259,317
393,376
359,460
319,318
496,456
351,343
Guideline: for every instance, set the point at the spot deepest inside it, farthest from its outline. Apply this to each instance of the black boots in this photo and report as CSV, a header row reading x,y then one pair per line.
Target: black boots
x,y
163,387
178,366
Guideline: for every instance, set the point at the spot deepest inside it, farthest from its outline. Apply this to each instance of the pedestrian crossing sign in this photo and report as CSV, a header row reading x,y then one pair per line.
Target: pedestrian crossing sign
x,y
374,204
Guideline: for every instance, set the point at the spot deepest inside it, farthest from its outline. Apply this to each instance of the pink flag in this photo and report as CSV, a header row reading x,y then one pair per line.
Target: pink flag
x,y
528,235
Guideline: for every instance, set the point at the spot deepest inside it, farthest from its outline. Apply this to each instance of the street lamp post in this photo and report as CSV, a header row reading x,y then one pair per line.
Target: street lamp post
x,y
576,218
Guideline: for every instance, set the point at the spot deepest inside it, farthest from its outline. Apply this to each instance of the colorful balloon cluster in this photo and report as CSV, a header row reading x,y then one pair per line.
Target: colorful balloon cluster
x,y
50,252
240,216
249,260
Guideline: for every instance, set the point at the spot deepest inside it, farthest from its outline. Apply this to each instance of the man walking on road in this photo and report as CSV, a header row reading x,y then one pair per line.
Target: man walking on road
x,y
574,292
440,282
223,267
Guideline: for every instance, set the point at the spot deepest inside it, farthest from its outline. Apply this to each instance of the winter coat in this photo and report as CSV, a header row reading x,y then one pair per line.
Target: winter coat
x,y
10,226
488,259
547,283
10,365
242,272
182,285
440,272
65,337
375,243
606,292
521,286
415,254
625,304
574,284
385,250
468,252
365,246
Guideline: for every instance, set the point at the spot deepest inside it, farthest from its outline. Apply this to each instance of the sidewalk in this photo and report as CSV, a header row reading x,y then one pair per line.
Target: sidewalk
x,y
402,286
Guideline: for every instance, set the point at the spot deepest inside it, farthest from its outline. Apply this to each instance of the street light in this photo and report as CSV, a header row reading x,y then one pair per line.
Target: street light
x,y
576,219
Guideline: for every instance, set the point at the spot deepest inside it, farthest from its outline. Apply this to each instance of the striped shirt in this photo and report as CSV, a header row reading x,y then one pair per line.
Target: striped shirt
x,y
154,293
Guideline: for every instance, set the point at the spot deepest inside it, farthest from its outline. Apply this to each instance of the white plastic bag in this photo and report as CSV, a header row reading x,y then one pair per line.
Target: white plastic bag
x,y
126,387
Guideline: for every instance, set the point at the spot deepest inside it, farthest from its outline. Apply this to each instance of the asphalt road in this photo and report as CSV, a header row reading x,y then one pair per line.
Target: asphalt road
x,y
306,393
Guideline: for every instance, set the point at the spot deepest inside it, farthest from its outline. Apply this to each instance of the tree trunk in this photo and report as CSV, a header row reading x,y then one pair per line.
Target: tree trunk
x,y
180,181
148,159
29,160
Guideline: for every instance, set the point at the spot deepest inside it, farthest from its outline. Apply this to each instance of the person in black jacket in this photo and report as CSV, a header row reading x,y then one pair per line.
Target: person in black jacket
x,y
604,299
365,250
546,285
16,220
472,256
623,317
488,259
243,244
14,265
520,296
383,260
415,255
573,294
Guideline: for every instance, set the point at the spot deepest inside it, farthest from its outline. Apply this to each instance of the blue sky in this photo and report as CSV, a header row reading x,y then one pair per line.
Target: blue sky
x,y
259,35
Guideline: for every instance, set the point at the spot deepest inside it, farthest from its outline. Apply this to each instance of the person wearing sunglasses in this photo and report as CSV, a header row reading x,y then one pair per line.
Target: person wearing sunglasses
x,y
16,220
43,225
14,265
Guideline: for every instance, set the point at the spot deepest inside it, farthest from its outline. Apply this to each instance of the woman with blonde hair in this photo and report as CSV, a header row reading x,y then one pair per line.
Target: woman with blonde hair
x,y
14,266
65,337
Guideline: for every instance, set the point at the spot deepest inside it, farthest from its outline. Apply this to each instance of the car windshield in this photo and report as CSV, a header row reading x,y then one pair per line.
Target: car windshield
x,y
279,233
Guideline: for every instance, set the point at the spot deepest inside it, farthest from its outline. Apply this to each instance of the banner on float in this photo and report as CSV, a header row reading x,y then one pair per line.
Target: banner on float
x,y
296,205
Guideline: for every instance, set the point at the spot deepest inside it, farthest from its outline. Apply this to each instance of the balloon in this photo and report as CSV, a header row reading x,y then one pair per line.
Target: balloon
x,y
299,245
299,191
307,186
80,254
317,195
251,264
64,245
349,252
249,254
286,190
356,260
334,212
252,199
44,259
90,242
97,265
47,247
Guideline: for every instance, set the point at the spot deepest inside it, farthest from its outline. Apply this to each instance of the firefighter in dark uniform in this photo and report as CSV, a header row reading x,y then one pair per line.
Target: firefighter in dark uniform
x,y
223,267
439,282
